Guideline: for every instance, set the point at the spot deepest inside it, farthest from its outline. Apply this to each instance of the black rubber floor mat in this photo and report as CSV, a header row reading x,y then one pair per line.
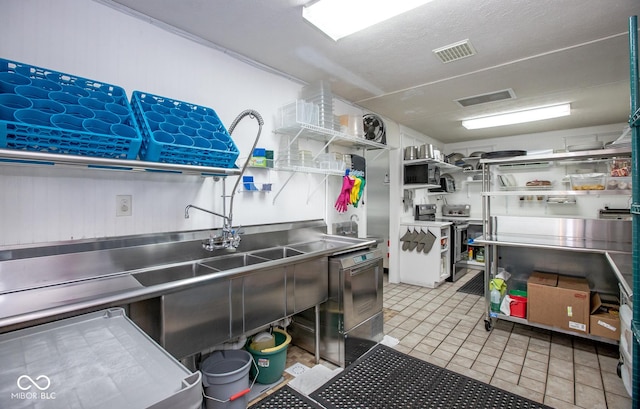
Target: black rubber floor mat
x,y
474,286
387,379
286,398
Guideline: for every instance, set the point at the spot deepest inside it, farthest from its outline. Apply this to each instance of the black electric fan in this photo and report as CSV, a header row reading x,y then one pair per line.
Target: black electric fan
x,y
374,128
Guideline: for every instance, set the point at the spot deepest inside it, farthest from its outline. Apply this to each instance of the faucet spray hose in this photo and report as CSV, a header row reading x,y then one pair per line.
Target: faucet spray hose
x,y
253,114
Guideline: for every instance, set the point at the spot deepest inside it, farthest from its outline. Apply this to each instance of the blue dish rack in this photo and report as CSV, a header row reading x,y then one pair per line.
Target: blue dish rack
x,y
47,111
180,132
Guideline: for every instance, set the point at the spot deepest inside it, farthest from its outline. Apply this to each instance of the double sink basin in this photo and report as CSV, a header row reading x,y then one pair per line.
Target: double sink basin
x,y
165,274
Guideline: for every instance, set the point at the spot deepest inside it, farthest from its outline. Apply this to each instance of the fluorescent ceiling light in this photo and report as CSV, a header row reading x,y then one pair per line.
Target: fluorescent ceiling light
x,y
339,18
518,117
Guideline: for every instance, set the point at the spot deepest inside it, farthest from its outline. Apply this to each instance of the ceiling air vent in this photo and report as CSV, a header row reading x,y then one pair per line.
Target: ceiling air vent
x,y
456,51
484,98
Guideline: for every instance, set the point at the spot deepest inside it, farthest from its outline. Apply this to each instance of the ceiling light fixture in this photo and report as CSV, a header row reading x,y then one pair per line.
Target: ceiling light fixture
x,y
518,117
339,18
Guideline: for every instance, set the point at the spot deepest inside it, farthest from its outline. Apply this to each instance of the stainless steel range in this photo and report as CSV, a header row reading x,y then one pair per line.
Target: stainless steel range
x,y
458,215
351,321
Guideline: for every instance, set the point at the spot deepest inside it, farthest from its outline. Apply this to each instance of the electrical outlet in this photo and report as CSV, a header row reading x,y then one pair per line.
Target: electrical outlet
x,y
124,205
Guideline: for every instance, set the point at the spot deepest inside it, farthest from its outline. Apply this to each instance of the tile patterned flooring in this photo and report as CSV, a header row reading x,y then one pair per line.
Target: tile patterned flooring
x,y
446,328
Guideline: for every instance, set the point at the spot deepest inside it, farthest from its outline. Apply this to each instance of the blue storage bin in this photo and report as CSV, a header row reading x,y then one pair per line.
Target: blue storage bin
x,y
59,105
164,117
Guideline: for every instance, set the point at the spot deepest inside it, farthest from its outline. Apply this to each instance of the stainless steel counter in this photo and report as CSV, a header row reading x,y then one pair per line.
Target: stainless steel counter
x,y
608,238
105,273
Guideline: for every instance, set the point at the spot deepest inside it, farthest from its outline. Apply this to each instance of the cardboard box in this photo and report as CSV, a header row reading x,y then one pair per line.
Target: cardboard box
x,y
540,293
572,300
605,318
558,301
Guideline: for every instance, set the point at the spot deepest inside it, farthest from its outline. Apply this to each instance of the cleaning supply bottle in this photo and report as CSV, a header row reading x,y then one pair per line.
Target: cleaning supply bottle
x,y
495,300
495,287
480,255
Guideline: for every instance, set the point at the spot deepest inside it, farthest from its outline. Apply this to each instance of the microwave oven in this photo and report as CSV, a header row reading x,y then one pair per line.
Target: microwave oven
x,y
423,173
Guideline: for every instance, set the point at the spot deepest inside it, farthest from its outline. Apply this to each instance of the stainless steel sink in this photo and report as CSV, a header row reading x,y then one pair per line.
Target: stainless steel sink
x,y
277,253
181,272
168,274
320,245
235,261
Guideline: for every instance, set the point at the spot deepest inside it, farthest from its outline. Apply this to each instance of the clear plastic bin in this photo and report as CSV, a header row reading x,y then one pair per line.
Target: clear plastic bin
x,y
619,183
588,181
298,112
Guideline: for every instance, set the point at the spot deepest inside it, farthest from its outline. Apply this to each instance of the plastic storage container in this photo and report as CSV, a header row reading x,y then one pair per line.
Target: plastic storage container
x,y
175,132
588,181
619,183
97,360
518,306
298,112
48,111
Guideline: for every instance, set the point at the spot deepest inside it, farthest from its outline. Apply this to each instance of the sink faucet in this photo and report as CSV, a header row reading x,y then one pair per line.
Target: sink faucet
x,y
353,216
228,238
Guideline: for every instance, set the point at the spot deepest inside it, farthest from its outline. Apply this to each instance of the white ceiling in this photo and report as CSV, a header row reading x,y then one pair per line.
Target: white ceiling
x,y
546,51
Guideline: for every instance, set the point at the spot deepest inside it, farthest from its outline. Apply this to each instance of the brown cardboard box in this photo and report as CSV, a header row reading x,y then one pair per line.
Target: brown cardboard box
x,y
605,318
572,299
540,294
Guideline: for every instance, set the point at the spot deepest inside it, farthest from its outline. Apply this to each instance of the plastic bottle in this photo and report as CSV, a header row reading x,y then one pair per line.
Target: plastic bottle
x,y
470,253
495,300
480,255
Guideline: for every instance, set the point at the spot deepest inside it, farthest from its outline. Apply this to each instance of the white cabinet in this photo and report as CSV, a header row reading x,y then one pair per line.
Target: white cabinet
x,y
425,267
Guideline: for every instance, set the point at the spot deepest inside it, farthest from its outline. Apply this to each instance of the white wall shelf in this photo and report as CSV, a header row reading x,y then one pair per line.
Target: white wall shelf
x,y
329,137
49,159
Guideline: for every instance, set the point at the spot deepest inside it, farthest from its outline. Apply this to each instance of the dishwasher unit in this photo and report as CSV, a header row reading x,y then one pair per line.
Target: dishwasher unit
x,y
351,321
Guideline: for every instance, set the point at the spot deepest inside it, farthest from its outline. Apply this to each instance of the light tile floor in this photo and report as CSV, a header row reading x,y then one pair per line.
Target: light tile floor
x,y
446,328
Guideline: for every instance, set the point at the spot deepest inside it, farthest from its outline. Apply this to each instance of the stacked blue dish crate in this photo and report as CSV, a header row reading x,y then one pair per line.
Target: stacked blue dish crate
x,y
180,132
48,111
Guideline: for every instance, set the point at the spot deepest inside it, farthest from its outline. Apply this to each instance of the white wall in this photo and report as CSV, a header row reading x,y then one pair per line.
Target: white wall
x,y
91,40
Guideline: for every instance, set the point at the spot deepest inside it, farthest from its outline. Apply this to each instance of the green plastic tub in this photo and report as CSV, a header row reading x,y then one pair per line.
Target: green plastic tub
x,y
270,361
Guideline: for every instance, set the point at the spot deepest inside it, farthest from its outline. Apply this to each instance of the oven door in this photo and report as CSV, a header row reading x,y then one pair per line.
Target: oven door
x,y
362,292
460,237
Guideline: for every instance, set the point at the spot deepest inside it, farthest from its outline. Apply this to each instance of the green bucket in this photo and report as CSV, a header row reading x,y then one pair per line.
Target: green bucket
x,y
270,361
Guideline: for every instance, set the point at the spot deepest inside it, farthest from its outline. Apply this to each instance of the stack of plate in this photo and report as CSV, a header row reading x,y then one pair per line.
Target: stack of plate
x,y
320,94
